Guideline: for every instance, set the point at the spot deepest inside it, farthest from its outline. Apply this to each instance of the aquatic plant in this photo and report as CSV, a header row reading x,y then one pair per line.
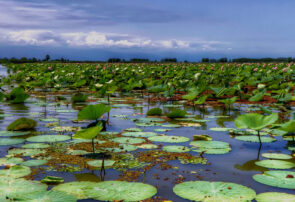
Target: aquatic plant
x,y
22,124
17,95
176,113
154,112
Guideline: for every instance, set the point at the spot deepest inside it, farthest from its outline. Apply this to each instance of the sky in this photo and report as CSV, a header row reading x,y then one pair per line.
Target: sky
x,y
154,29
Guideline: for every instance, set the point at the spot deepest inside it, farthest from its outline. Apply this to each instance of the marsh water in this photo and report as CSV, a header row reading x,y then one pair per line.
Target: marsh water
x,y
237,166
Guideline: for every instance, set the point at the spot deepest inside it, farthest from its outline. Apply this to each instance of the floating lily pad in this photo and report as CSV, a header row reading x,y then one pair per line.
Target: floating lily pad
x,y
26,152
17,188
31,163
52,180
10,161
192,120
48,138
49,120
12,141
276,156
12,133
213,150
122,148
66,111
148,146
77,152
97,163
121,191
275,164
128,140
252,138
133,129
275,197
171,125
15,172
109,133
150,124
139,134
162,130
282,179
202,137
175,148
214,191
35,146
210,144
54,196
170,139
148,120
222,129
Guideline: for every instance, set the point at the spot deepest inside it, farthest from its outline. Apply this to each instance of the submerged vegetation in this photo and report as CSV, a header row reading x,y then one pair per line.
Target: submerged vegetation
x,y
126,132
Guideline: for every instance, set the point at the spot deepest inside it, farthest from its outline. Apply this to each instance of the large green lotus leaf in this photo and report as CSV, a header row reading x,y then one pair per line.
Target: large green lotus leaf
x,y
255,121
169,139
122,191
213,150
275,164
214,191
10,161
210,144
17,188
275,197
15,172
93,112
276,156
12,141
78,189
282,179
35,146
77,152
12,133
31,163
252,138
148,146
128,140
48,196
48,138
139,134
26,152
133,130
98,163
176,148
122,148
88,133
288,127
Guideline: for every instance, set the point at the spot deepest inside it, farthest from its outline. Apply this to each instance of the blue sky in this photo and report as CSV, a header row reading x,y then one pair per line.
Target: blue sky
x,y
186,29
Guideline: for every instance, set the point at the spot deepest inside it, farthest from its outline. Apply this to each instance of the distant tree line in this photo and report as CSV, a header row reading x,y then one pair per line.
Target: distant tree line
x,y
47,58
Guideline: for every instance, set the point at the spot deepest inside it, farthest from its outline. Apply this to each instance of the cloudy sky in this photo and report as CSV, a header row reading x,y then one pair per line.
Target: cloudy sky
x,y
186,29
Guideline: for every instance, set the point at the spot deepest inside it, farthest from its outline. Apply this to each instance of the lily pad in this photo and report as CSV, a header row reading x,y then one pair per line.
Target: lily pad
x,y
52,180
31,163
12,133
122,148
282,179
213,150
162,129
12,141
214,191
17,188
176,148
210,144
252,138
169,139
121,191
49,120
139,134
10,161
275,197
35,146
276,156
47,196
148,146
171,125
15,172
26,152
133,129
48,138
222,129
97,163
128,140
275,164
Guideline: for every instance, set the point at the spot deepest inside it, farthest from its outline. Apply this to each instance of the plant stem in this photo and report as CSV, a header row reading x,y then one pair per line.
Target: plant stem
x,y
259,137
93,145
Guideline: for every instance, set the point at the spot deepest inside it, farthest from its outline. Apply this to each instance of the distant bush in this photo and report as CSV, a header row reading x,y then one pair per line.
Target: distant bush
x,y
154,112
79,97
176,113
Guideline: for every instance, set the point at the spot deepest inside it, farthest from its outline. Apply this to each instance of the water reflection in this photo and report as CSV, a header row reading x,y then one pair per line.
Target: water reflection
x,y
22,108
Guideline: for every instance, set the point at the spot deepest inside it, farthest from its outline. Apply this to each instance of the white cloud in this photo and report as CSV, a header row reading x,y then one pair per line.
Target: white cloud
x,y
98,39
